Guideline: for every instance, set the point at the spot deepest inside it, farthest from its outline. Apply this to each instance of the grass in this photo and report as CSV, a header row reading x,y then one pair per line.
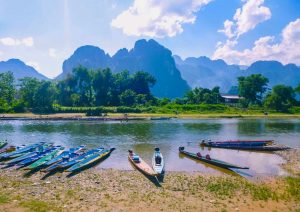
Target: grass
x,y
223,187
38,206
4,199
293,187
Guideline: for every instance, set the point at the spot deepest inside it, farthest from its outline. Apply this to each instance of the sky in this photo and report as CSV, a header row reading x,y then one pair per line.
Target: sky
x,y
43,33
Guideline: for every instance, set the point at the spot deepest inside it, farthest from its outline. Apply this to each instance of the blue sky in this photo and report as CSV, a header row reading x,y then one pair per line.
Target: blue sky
x,y
44,33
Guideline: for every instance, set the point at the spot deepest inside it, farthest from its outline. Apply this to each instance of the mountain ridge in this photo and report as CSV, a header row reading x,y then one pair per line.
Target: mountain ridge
x,y
174,75
20,69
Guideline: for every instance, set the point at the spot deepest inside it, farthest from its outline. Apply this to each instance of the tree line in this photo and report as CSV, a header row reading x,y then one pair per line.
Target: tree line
x,y
90,88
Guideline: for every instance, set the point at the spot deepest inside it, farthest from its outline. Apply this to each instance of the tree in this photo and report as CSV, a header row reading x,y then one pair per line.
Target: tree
x,y
128,97
44,97
83,85
28,89
252,88
281,98
297,89
103,84
203,95
7,87
38,95
141,82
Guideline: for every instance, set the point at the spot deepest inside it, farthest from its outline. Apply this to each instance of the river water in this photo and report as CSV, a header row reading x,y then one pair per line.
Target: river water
x,y
168,135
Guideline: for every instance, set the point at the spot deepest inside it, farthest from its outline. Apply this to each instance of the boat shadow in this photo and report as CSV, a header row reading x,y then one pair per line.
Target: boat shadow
x,y
155,180
31,172
96,163
51,173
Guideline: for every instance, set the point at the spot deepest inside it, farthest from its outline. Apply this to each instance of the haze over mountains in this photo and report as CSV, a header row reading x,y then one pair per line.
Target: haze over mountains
x,y
20,69
174,75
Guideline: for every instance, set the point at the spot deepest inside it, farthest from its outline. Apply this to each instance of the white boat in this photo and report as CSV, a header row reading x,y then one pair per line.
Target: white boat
x,y
158,163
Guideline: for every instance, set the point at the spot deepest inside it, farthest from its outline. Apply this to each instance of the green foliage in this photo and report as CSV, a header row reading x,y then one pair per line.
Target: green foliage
x,y
127,98
103,88
204,95
282,98
252,88
37,95
297,89
7,91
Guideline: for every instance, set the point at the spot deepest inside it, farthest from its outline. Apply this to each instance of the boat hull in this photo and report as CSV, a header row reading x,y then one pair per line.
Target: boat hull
x,y
214,162
142,166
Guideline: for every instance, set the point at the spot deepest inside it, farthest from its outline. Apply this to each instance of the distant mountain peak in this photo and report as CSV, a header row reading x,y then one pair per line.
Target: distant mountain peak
x,y
20,69
146,55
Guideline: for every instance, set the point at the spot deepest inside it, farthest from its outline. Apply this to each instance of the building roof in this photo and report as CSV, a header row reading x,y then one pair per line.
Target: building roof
x,y
228,96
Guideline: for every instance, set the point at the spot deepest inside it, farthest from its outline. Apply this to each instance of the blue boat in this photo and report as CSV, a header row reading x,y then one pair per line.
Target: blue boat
x,y
65,154
78,159
97,156
37,151
64,161
21,151
31,160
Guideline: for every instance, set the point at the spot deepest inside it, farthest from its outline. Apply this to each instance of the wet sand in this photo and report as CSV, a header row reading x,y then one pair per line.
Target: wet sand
x,y
116,190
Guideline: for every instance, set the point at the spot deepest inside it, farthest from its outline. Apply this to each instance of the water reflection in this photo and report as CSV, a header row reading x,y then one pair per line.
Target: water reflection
x,y
144,136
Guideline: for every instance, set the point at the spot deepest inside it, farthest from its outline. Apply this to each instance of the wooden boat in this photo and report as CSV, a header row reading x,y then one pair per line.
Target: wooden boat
x,y
253,148
64,154
92,159
2,144
160,118
140,164
235,143
158,163
42,161
209,160
244,141
7,149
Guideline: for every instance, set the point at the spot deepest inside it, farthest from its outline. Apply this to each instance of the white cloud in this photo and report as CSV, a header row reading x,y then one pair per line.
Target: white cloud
x,y
28,41
52,52
8,41
33,64
246,18
285,51
155,18
227,29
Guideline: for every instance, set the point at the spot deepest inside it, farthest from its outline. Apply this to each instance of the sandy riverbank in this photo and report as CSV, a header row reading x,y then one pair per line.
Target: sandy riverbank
x,y
115,190
137,116
108,190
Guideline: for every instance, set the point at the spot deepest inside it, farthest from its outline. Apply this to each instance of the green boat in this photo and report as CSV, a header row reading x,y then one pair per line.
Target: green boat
x,y
2,144
42,161
209,160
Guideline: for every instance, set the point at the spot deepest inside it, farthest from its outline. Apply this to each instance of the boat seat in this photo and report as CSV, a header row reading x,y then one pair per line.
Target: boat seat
x,y
158,160
136,158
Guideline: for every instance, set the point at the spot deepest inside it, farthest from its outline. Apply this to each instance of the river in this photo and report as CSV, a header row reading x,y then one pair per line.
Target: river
x,y
168,135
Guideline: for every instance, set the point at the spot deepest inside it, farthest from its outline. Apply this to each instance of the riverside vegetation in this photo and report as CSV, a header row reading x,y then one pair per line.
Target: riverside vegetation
x,y
100,91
